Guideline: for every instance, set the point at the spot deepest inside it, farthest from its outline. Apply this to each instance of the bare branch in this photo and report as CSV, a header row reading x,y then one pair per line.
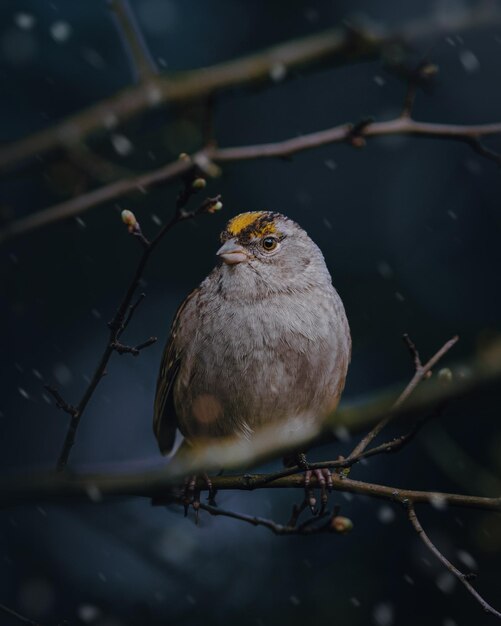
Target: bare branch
x,y
395,445
420,374
134,350
20,618
463,578
60,401
122,317
338,45
160,486
283,149
142,63
131,311
311,526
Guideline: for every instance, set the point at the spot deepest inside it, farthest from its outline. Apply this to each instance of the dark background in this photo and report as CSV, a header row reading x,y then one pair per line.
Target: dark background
x,y
410,230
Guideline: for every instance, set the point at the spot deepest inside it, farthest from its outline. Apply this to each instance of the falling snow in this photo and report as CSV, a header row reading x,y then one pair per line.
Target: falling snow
x,y
23,393
62,373
469,61
153,94
342,433
446,582
94,493
467,559
278,72
438,502
110,120
386,514
93,58
88,613
60,31
383,614
123,146
385,269
25,21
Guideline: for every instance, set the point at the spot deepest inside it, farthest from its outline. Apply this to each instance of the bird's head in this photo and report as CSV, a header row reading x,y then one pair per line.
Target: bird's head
x,y
268,247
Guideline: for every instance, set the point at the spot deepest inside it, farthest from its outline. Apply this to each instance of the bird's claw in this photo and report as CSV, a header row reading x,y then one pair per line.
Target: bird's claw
x,y
191,494
324,480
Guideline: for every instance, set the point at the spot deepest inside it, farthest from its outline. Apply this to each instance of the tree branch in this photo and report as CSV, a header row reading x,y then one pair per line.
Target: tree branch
x,y
20,618
463,578
320,524
142,63
420,374
335,45
282,149
122,318
161,487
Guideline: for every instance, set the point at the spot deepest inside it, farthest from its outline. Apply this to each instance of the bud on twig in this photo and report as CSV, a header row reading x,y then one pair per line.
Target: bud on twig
x,y
445,375
341,525
129,219
428,70
217,206
210,205
199,183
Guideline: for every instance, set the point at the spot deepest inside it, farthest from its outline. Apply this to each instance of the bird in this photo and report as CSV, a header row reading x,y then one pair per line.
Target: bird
x,y
263,339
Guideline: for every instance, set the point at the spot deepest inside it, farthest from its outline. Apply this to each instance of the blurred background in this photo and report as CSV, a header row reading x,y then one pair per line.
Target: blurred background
x,y
410,229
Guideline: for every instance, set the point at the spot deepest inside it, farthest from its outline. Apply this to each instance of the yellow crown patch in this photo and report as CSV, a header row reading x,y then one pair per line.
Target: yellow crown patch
x,y
245,222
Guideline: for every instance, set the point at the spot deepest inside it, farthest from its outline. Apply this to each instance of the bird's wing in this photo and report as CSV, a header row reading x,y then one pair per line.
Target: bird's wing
x,y
164,414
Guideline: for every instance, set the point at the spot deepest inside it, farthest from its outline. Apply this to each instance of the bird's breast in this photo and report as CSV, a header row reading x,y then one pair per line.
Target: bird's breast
x,y
252,363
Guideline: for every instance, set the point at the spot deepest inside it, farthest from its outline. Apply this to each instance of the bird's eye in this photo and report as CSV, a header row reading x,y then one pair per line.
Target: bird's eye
x,y
269,243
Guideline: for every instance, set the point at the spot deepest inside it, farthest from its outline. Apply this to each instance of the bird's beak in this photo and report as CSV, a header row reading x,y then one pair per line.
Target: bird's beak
x,y
232,253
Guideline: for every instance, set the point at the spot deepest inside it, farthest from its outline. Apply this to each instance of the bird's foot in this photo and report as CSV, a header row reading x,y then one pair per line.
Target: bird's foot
x,y
324,480
191,493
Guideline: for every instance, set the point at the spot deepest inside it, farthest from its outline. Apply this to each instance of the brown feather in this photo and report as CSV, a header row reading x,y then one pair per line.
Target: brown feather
x,y
165,420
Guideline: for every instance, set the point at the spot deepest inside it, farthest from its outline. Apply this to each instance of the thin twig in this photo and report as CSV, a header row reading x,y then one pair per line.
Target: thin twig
x,y
60,401
389,447
420,374
463,578
282,149
142,62
134,350
161,486
337,45
116,326
20,618
309,527
131,311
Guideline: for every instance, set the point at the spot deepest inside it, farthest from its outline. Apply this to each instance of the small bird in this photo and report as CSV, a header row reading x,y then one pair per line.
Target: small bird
x,y
264,338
